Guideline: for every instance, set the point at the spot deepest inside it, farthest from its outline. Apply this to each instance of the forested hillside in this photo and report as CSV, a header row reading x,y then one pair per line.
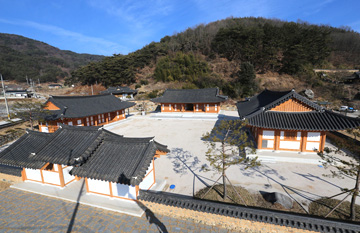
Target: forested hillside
x,y
21,57
211,55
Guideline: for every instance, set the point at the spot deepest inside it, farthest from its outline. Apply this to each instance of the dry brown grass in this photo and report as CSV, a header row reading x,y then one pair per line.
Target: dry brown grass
x,y
323,206
4,185
250,199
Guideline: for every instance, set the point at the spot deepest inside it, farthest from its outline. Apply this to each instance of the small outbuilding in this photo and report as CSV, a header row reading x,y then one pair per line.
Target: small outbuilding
x,y
288,121
95,110
191,100
123,93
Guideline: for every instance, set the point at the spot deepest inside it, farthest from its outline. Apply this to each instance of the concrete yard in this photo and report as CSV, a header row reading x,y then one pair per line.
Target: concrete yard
x,y
298,175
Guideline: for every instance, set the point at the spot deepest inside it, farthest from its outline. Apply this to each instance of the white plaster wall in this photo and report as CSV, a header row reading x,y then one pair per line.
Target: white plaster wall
x,y
99,186
147,181
268,134
51,177
313,136
289,145
67,176
33,174
122,190
312,145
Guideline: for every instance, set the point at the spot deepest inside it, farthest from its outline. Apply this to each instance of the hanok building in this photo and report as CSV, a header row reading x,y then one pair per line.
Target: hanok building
x,y
191,100
123,93
111,164
95,110
289,121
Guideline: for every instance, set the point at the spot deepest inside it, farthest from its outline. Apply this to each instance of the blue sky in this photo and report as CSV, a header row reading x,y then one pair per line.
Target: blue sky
x,y
107,27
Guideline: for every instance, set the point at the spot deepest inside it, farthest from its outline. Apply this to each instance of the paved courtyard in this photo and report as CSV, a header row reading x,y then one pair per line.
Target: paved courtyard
x,y
300,177
27,212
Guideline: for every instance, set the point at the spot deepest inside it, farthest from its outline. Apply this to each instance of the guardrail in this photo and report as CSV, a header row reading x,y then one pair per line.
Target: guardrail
x,y
294,220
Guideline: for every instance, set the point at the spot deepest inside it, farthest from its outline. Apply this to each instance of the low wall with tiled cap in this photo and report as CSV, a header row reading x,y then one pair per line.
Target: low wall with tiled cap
x,y
240,218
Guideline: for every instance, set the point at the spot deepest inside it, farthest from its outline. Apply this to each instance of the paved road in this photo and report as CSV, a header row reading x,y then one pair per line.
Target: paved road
x,y
27,212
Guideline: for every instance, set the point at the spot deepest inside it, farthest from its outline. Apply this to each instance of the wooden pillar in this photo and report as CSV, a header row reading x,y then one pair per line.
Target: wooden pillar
x,y
194,107
137,191
61,175
110,188
23,174
153,161
322,141
259,140
277,140
77,178
87,185
303,141
107,120
96,120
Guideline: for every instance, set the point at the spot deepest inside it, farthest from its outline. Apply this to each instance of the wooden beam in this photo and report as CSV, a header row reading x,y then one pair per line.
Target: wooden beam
x,y
137,191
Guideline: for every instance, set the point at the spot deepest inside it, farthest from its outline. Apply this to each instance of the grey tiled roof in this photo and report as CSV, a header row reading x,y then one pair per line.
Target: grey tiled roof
x,y
119,159
314,120
17,154
67,144
119,90
256,111
95,152
83,106
208,95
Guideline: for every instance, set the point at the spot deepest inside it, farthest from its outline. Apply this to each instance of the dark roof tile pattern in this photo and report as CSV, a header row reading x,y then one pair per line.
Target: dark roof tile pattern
x,y
257,111
317,121
208,95
281,218
67,144
83,106
120,160
119,90
17,154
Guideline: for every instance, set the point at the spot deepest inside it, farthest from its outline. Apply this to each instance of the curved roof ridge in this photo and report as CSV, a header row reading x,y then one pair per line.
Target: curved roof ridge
x,y
76,96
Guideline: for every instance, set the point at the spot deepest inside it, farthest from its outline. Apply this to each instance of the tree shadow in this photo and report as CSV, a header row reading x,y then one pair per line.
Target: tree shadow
x,y
302,193
311,177
183,161
150,216
265,170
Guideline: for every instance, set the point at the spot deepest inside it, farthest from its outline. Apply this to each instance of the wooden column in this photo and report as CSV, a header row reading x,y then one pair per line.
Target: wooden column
x,y
303,141
87,185
194,107
322,141
111,192
277,140
259,140
23,174
137,191
61,175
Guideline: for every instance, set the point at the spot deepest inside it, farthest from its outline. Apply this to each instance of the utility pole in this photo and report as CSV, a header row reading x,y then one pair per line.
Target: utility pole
x,y
92,90
6,103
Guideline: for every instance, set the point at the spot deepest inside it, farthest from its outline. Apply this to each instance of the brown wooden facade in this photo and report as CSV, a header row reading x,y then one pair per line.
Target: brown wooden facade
x,y
95,120
195,108
289,140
